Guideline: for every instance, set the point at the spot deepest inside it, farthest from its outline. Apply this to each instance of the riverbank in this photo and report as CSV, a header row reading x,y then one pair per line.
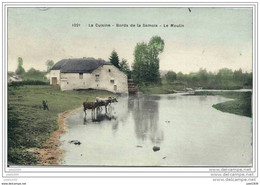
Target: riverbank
x,y
162,88
31,127
169,88
240,105
50,153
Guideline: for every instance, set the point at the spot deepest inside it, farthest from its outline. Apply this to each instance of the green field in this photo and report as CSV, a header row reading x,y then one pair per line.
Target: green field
x,y
29,125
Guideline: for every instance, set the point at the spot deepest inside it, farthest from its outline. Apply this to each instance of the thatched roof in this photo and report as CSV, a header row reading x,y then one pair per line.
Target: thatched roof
x,y
80,65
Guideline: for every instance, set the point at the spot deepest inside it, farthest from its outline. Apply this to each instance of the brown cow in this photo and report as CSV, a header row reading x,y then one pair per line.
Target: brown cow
x,y
90,105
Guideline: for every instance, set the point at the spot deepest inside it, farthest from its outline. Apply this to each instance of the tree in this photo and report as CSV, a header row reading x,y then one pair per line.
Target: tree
x,y
34,74
238,75
203,75
114,59
20,70
124,67
155,47
157,44
146,61
248,79
224,75
140,63
180,76
49,64
170,76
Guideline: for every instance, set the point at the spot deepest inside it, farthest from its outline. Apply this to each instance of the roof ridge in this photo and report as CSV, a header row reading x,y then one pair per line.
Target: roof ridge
x,y
79,65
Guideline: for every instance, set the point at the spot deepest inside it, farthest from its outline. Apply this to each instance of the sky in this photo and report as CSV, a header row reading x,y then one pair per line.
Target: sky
x,y
210,38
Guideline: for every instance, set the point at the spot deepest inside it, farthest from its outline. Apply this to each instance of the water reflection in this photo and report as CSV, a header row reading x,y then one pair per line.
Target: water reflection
x,y
187,129
117,113
102,117
202,98
171,97
98,116
146,117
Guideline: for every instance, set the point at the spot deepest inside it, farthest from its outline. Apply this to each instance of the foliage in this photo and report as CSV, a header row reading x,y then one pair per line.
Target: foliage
x,y
124,67
27,82
114,59
201,79
140,63
223,79
158,89
170,76
20,70
49,64
34,75
146,61
156,45
29,125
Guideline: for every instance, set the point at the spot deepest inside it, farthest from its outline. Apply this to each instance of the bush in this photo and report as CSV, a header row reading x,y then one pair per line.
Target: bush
x,y
28,82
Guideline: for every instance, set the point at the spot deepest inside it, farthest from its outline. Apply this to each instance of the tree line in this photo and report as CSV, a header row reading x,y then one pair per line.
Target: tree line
x,y
33,74
223,79
145,70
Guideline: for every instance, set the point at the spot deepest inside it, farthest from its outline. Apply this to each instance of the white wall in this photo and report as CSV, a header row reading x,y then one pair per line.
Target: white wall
x,y
120,79
70,81
55,73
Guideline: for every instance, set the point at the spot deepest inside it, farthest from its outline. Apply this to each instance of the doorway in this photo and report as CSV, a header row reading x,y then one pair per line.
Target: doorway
x,y
54,80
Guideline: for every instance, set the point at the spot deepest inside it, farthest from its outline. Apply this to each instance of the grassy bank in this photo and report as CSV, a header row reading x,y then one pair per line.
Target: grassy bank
x,y
29,125
172,87
241,105
164,88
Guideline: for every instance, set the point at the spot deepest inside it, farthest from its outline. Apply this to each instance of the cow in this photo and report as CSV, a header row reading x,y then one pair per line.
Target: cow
x,y
105,101
90,105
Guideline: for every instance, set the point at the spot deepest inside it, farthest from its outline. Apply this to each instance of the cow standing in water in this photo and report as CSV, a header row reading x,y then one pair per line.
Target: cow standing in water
x,y
95,106
90,105
105,101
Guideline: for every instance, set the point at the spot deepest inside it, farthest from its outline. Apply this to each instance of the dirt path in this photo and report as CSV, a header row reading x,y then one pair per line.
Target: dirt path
x,y
51,153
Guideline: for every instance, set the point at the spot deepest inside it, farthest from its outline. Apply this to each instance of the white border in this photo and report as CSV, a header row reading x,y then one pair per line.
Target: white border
x,y
120,172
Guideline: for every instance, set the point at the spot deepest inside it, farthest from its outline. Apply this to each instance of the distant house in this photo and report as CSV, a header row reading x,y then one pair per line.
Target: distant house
x,y
88,73
13,77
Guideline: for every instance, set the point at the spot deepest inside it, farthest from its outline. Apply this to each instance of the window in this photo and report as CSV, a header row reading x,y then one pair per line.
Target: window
x,y
80,75
97,77
112,81
109,70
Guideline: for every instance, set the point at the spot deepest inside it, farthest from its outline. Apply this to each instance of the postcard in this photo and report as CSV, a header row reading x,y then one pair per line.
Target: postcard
x,y
130,86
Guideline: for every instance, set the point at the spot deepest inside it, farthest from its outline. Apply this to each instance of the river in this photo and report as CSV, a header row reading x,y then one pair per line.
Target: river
x,y
188,130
